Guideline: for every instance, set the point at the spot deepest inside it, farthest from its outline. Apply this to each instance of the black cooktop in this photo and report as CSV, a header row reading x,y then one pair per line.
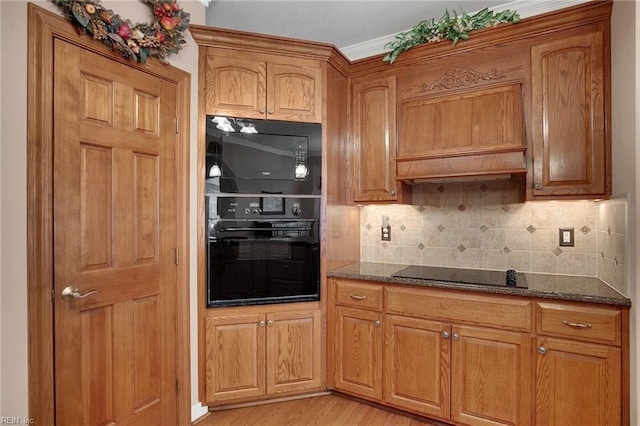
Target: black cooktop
x,y
508,278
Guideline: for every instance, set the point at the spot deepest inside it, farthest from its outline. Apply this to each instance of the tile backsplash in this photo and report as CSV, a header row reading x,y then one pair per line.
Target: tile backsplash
x,y
482,225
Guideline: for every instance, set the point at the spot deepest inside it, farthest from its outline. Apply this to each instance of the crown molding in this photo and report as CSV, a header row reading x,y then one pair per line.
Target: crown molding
x,y
525,8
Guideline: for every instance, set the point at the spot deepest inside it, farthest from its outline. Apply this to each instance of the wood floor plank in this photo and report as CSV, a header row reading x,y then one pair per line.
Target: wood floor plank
x,y
327,410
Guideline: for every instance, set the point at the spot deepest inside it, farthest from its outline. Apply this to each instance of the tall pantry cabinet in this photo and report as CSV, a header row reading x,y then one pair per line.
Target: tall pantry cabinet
x,y
253,353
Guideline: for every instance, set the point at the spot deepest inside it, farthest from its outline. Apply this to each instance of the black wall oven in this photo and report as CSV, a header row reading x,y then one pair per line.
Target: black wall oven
x,y
263,250
263,188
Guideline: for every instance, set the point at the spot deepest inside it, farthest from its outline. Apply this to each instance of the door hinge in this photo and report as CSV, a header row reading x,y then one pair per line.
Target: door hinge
x,y
177,386
176,255
177,124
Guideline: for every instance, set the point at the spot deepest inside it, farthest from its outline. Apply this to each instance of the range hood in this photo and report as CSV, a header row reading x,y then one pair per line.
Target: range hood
x,y
462,136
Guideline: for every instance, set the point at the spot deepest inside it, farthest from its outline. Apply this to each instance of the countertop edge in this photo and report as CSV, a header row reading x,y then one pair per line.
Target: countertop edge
x,y
509,291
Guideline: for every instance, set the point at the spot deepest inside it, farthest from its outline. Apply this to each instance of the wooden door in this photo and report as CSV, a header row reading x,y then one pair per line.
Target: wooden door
x,y
491,374
235,87
417,365
374,139
114,204
293,351
577,383
294,91
571,143
235,358
359,353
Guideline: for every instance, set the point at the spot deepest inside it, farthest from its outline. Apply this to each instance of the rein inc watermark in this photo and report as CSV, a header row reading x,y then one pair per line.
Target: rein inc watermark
x,y
9,420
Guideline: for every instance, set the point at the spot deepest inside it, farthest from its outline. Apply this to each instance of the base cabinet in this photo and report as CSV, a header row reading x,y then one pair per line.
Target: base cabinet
x,y
469,375
475,359
359,341
254,355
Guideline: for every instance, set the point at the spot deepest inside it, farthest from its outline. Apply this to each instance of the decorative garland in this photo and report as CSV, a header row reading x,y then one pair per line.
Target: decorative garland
x,y
452,27
158,39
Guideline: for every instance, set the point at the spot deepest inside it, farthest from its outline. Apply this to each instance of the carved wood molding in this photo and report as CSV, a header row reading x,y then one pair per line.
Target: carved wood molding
x,y
461,77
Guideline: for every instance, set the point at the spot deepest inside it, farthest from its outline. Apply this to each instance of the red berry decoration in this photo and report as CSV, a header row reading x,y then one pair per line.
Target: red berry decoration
x,y
124,31
160,36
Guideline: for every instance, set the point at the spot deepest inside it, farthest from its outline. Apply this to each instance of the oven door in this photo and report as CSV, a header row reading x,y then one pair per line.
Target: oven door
x,y
261,268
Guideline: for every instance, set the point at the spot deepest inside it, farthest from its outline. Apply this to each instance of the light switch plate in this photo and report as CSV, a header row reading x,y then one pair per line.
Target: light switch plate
x,y
566,237
386,233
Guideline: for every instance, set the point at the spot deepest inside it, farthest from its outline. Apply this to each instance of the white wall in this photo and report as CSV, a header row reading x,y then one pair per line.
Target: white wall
x,y
13,269
624,57
1,97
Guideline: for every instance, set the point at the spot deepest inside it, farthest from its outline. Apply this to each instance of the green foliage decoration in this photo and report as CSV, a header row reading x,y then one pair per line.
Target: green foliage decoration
x,y
450,26
163,36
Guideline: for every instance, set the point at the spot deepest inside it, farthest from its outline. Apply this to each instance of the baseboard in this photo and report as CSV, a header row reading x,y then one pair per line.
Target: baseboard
x,y
198,412
270,401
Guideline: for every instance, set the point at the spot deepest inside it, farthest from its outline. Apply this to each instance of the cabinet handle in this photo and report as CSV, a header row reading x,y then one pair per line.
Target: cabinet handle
x,y
578,325
270,323
357,297
445,334
261,323
455,336
538,186
377,323
542,350
392,192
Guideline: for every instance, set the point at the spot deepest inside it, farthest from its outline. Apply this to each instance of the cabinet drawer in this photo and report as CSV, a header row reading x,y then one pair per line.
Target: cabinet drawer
x,y
358,295
597,324
460,307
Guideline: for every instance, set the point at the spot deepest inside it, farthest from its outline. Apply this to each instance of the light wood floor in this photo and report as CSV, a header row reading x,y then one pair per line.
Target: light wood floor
x,y
328,410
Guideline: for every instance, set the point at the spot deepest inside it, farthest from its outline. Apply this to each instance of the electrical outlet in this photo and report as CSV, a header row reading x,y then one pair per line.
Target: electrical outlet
x,y
566,238
386,233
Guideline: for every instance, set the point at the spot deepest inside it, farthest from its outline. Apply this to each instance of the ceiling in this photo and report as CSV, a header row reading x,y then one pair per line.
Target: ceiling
x,y
347,24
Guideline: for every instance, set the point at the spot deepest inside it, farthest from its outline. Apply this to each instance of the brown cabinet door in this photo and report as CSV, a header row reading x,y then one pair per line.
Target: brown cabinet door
x,y
235,87
235,362
417,365
359,352
571,145
294,91
491,374
293,351
374,138
577,383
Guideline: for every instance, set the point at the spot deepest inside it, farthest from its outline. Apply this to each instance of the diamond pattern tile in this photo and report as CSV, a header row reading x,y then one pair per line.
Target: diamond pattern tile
x,y
585,229
368,226
461,248
483,228
483,187
385,245
421,246
461,207
402,227
506,208
441,189
507,250
441,228
557,251
531,229
609,231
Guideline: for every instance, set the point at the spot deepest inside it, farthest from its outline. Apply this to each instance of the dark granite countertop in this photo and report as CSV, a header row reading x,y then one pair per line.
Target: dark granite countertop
x,y
549,286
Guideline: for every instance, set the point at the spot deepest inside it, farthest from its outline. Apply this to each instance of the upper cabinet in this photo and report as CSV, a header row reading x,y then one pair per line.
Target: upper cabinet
x,y
570,102
257,86
374,140
531,99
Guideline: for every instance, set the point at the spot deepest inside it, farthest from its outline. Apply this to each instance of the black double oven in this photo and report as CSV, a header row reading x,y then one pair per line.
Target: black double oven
x,y
262,211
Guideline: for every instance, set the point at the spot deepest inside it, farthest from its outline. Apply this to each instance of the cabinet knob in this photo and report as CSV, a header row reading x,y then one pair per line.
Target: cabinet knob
x,y
445,334
542,350
392,193
377,323
261,110
270,110
538,186
270,323
455,336
261,323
